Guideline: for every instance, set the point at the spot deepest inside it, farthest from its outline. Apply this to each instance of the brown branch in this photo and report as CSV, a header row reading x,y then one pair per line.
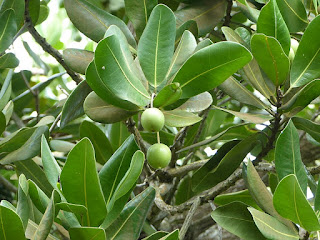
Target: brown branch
x,y
227,19
8,185
46,46
187,221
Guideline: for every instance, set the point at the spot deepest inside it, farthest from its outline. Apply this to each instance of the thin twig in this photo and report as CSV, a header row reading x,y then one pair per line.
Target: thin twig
x,y
228,16
54,124
8,185
187,221
47,47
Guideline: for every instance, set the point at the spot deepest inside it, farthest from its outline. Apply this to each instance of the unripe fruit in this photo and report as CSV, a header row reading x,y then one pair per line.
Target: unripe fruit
x,y
158,155
291,55
152,120
294,45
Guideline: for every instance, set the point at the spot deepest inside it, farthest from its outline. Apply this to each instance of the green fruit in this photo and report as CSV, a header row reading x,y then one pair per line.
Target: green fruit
x,y
152,120
158,155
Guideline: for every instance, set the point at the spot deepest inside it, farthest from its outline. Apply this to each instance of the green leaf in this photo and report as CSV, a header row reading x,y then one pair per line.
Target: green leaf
x,y
109,51
179,118
261,194
237,214
100,111
197,103
94,22
288,157
11,227
290,202
242,196
308,126
28,150
3,123
138,12
7,111
47,220
32,228
171,236
166,137
84,233
101,144
249,117
249,10
78,210
156,45
223,164
156,236
167,95
50,165
129,179
134,214
78,59
184,191
305,65
189,25
115,169
61,146
206,13
36,58
302,98
210,66
38,197
17,6
294,14
271,23
271,228
80,182
8,29
271,57
8,60
185,49
317,199
117,133
237,91
23,204
73,107
5,92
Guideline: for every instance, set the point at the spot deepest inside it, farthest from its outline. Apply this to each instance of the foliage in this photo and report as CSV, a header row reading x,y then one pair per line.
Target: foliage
x,y
222,75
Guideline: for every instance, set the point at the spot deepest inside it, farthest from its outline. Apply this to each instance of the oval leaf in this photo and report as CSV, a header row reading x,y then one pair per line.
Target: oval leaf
x,y
77,59
11,227
179,118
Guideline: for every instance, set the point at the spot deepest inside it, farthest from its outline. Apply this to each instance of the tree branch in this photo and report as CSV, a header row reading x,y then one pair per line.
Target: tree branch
x,y
46,46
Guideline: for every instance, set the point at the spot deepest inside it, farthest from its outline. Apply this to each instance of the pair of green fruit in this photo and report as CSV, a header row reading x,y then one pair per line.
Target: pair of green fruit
x,y
158,155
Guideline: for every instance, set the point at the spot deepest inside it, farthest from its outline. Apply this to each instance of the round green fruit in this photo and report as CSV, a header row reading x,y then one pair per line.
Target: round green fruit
x,y
152,120
158,155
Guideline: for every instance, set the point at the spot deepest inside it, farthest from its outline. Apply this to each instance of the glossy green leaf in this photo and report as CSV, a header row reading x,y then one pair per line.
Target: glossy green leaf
x,y
8,60
73,107
17,6
210,66
117,133
80,182
5,91
84,233
305,65
47,220
197,103
7,111
237,214
261,194
302,98
109,51
32,228
179,118
156,236
271,228
78,210
242,196
28,150
248,117
11,227
184,191
317,199
156,45
115,169
129,179
101,144
38,197
166,137
8,28
134,214
61,146
138,12
288,157
77,59
249,10
23,204
308,126
294,14
189,25
223,165
237,91
100,111
167,95
185,49
290,202
94,22
207,14
271,23
50,165
271,57
171,236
